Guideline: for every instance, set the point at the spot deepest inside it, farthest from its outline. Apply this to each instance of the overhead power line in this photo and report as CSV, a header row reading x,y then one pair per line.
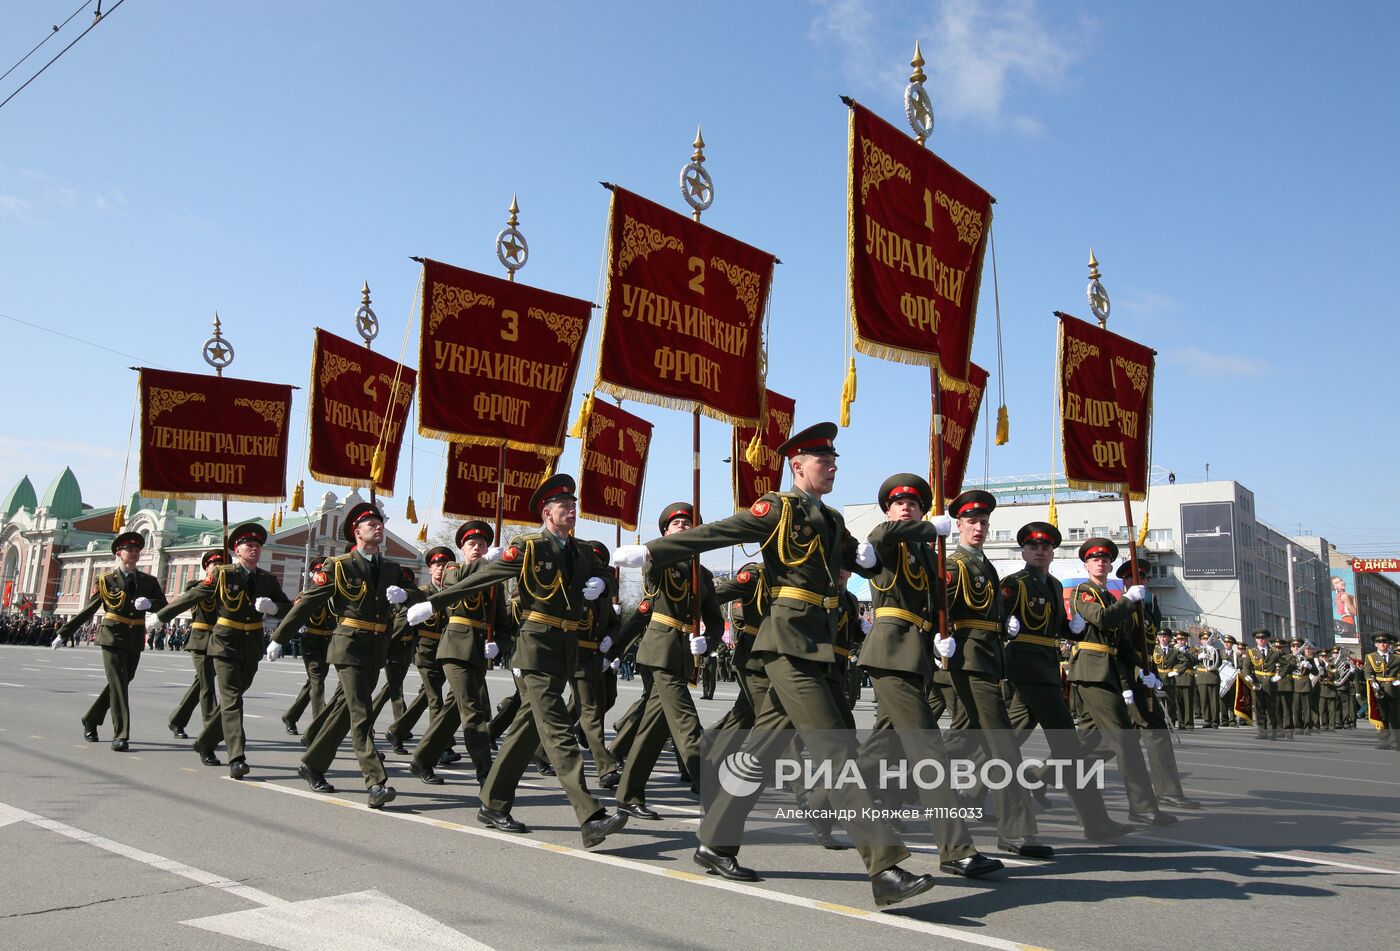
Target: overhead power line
x,y
98,18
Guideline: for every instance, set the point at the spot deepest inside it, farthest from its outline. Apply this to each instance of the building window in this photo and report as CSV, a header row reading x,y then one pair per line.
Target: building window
x,y
1099,531
1077,534
1002,537
1159,534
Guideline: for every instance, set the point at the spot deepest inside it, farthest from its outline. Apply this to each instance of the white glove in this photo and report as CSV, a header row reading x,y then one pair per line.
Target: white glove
x,y
698,645
728,638
1077,625
420,612
1136,593
1128,697
395,594
493,553
865,555
265,605
629,556
946,646
142,604
492,650
617,609
274,650
1013,626
56,641
593,588
617,662
605,644
1275,679
153,623
1151,681
515,672
943,524
1173,673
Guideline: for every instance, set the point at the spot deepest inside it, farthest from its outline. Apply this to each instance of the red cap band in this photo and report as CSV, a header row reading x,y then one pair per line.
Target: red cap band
x,y
819,443
1100,550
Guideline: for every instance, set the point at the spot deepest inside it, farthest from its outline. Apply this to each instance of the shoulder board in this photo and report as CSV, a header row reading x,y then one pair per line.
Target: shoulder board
x,y
333,559
527,537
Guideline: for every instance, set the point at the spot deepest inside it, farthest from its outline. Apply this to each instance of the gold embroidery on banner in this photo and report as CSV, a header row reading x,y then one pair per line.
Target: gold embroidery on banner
x,y
567,329
968,222
746,283
784,421
640,239
333,365
876,166
450,301
596,424
274,411
639,442
402,394
1137,372
1079,351
163,400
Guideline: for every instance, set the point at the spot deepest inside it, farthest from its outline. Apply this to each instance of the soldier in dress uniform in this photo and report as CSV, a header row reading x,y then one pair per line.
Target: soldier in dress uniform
x,y
1235,655
1287,662
246,596
1383,681
1305,671
749,592
1033,604
440,560
555,577
403,639
362,587
315,639
1208,682
1261,672
1328,709
596,649
1160,664
805,545
201,693
124,594
1183,680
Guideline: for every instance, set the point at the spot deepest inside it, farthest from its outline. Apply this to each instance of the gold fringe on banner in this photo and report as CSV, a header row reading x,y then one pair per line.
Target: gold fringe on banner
x,y
1054,517
412,513
377,463
1003,426
670,402
848,393
299,496
119,518
423,533
753,453
1142,532
550,451
195,497
585,409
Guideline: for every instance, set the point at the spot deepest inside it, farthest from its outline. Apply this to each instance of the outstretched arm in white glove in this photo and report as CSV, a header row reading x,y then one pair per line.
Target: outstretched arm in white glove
x,y
943,524
395,594
593,588
274,650
865,555
629,556
1136,593
420,612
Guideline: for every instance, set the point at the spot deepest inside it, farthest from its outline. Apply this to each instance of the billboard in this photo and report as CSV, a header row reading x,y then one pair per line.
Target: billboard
x,y
1208,540
1343,597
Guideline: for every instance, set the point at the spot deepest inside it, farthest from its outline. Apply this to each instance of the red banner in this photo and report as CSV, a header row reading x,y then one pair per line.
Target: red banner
x,y
683,323
1105,408
961,404
614,465
206,437
917,233
472,481
752,481
497,360
352,391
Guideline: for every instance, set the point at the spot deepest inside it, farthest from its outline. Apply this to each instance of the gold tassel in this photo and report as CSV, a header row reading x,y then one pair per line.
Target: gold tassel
x,y
754,452
299,495
412,512
576,430
1003,426
119,518
1054,517
848,393
377,464
1142,532
423,533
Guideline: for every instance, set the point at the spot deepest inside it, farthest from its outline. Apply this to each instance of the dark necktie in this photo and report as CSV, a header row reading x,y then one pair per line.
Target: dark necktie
x,y
130,584
374,569
568,558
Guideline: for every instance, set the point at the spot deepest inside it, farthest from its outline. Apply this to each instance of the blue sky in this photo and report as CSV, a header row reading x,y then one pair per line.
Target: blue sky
x,y
1232,165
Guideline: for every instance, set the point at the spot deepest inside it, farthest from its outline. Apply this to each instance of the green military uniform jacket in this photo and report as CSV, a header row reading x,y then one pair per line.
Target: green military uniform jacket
x,y
1327,679
1260,668
204,613
1381,673
804,545
238,627
750,587
974,614
363,614
1208,666
1286,665
904,592
1097,656
1304,670
1183,661
550,595
121,625
1037,602
663,618
850,638
600,621
462,625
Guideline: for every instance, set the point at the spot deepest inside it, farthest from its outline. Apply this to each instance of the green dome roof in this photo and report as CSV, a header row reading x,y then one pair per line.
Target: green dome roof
x,y
20,497
64,499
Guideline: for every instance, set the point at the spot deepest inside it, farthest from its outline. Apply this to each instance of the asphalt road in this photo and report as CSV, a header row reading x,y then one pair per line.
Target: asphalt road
x,y
1299,842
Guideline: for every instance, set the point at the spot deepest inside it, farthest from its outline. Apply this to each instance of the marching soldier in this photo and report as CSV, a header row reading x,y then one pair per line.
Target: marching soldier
x,y
596,647
1183,680
1261,672
315,640
749,592
246,595
1033,603
1229,715
805,545
402,639
439,560
1287,662
1208,682
1382,676
125,595
201,693
1305,672
555,577
1329,707
361,587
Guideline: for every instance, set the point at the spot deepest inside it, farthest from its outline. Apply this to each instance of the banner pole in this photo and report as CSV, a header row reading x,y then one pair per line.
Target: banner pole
x,y
936,481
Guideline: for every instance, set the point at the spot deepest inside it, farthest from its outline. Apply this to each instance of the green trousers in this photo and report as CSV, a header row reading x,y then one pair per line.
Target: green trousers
x,y
470,707
351,716
981,729
669,714
1043,705
120,666
1104,721
234,673
201,694
313,689
589,693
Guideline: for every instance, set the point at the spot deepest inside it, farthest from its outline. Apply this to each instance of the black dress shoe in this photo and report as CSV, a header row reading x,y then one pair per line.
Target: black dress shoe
x,y
546,769
314,779
610,780
424,773
119,745
395,744
380,794
207,757
89,732
1178,802
725,866
599,828
1107,832
821,829
178,732
449,755
1042,796
1152,819
639,810
501,821
973,866
1029,846
291,727
238,768
894,884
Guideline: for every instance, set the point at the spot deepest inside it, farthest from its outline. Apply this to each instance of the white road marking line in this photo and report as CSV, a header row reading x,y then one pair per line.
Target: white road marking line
x,y
1286,856
1289,772
695,878
4,684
